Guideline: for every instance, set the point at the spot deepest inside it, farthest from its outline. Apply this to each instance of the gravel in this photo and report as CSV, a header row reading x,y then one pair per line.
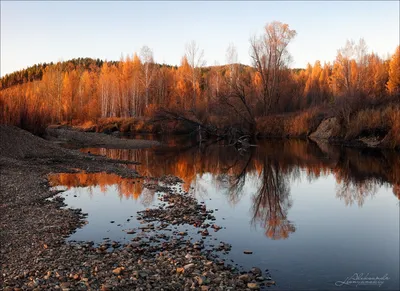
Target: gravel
x,y
35,256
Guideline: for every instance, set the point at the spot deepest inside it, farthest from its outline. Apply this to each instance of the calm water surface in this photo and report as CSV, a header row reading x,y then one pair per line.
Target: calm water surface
x,y
312,214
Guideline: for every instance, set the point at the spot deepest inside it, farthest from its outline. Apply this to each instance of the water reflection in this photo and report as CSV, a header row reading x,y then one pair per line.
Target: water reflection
x,y
272,201
127,187
271,167
334,210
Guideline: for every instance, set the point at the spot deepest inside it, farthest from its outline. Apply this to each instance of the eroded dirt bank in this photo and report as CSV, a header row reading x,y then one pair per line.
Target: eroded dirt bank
x,y
34,255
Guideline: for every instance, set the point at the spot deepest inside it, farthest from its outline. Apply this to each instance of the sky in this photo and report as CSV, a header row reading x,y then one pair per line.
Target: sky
x,y
50,31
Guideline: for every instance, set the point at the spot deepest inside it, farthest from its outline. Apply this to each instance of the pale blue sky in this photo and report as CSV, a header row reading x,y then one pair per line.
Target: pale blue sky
x,y
37,32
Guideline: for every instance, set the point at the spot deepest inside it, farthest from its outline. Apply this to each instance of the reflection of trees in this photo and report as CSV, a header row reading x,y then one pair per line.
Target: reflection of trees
x,y
352,192
240,167
359,173
396,191
272,202
128,187
275,164
272,199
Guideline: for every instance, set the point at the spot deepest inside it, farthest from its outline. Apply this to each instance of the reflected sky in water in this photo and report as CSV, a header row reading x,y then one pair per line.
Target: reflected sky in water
x,y
312,214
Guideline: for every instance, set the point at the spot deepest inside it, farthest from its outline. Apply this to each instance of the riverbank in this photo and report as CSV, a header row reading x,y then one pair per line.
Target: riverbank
x,y
370,128
35,256
93,139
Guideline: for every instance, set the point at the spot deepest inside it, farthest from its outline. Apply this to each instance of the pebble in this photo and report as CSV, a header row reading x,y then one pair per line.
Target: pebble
x,y
76,277
188,266
253,286
106,287
118,271
168,259
201,280
256,271
244,277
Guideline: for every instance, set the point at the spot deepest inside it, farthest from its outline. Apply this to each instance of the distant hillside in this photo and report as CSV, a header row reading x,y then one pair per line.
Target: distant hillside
x,y
35,72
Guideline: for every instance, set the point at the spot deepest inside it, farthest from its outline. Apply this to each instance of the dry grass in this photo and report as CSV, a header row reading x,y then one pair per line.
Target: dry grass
x,y
140,125
289,125
301,125
368,120
392,139
271,126
382,122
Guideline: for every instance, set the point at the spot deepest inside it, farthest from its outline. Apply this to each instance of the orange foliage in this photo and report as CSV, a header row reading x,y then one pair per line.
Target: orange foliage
x,y
136,88
393,84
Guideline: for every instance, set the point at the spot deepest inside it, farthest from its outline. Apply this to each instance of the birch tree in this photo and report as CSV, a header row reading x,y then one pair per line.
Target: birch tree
x,y
146,55
195,58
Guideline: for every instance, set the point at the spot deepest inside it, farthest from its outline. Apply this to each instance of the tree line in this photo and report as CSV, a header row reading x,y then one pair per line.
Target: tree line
x,y
135,86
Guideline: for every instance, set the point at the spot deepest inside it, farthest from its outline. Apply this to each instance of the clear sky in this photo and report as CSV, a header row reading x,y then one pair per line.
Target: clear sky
x,y
37,32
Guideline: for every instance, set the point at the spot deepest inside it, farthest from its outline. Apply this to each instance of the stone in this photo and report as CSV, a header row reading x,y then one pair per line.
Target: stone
x,y
65,285
244,277
188,256
202,280
188,266
256,271
106,287
118,271
253,286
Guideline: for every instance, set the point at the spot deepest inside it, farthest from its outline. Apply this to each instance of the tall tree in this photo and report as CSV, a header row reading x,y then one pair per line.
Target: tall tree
x,y
349,69
146,55
195,58
393,84
270,56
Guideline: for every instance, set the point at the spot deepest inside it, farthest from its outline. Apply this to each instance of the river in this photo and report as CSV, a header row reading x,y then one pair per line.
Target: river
x,y
316,216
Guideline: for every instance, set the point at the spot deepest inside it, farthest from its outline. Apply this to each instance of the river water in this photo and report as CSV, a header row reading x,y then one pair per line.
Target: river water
x,y
316,216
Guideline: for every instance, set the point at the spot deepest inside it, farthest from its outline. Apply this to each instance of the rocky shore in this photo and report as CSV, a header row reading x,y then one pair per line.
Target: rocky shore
x,y
160,256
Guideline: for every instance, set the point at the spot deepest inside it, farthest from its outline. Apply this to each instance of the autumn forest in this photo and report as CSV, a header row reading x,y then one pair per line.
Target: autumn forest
x,y
359,88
